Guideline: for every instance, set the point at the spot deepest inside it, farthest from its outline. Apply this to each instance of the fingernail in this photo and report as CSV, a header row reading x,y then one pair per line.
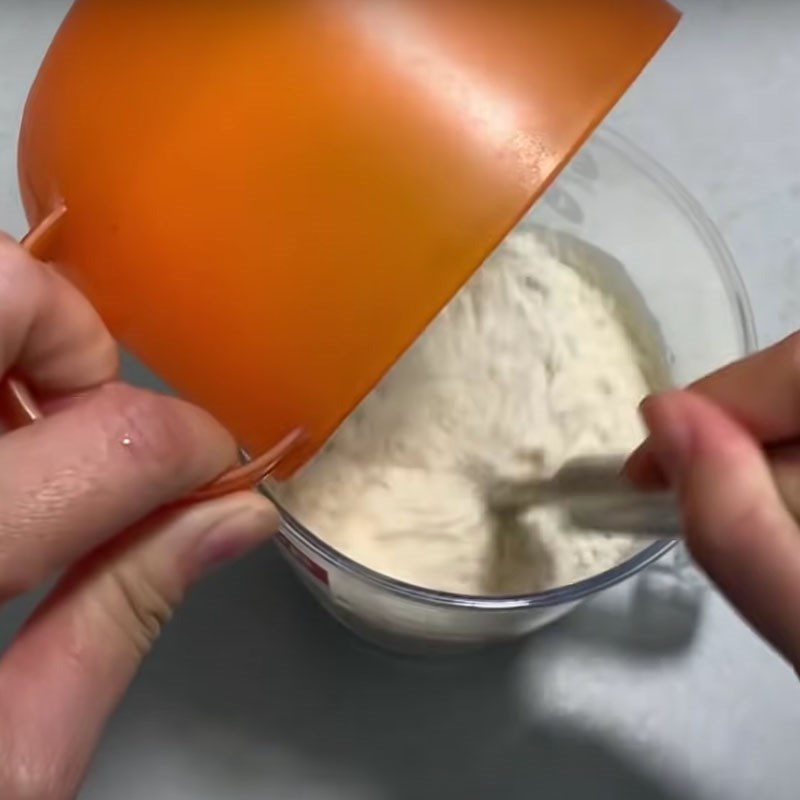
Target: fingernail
x,y
670,439
247,523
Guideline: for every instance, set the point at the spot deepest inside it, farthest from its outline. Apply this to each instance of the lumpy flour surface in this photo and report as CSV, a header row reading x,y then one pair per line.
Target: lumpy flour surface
x,y
529,365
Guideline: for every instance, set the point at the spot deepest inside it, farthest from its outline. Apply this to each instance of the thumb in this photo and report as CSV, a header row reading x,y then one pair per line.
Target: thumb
x,y
70,665
735,522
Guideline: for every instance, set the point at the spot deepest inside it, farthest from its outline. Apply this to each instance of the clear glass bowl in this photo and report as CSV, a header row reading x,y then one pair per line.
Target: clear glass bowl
x,y
624,214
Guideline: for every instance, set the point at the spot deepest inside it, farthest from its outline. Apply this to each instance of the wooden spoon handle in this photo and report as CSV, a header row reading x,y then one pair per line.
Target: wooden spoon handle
x,y
596,496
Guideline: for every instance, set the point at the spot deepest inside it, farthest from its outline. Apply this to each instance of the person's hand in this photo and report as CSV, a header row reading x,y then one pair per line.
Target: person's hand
x,y
82,495
708,443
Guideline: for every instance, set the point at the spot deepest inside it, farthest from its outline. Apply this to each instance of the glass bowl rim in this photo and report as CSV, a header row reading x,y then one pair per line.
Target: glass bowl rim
x,y
732,282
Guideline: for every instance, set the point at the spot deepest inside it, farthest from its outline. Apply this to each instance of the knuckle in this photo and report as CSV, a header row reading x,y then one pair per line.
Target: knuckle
x,y
26,778
138,608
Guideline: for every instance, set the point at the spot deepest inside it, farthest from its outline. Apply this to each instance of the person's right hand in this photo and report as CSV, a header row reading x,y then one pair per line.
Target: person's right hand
x,y
708,443
83,493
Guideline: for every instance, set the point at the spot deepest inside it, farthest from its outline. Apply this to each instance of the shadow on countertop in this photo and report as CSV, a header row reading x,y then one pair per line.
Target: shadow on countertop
x,y
252,674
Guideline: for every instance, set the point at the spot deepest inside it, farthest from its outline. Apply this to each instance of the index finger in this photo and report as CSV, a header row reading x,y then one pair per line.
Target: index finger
x,y
761,392
736,524
49,332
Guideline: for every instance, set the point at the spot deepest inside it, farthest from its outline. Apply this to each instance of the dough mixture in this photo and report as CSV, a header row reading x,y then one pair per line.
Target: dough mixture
x,y
529,365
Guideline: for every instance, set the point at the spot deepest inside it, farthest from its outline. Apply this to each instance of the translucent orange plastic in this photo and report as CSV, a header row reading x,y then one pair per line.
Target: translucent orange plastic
x,y
269,201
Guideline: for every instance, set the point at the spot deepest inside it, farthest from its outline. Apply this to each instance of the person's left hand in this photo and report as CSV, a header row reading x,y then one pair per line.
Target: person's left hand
x,y
83,494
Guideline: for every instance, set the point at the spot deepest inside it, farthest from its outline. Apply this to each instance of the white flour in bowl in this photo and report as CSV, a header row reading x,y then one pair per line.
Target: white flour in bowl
x,y
529,365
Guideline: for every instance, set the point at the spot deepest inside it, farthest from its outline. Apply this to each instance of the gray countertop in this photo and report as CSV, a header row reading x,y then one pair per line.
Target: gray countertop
x,y
655,690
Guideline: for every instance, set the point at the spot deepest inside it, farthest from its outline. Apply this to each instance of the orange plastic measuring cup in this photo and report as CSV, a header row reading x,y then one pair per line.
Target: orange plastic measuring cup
x,y
268,202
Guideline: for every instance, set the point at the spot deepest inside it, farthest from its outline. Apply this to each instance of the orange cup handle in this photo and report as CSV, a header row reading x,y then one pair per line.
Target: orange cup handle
x,y
21,409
